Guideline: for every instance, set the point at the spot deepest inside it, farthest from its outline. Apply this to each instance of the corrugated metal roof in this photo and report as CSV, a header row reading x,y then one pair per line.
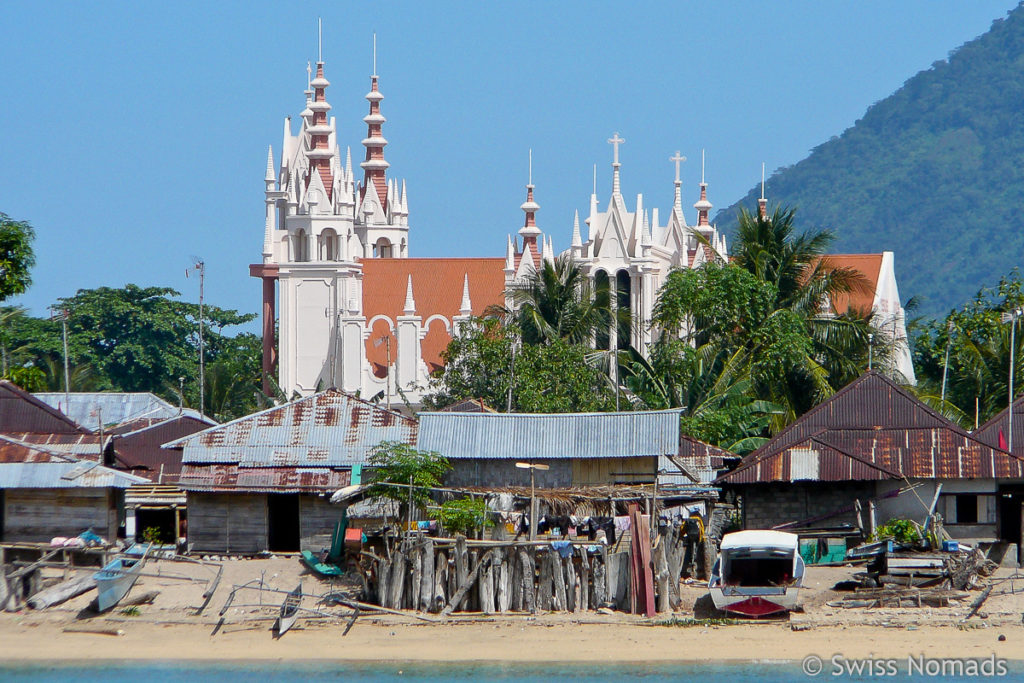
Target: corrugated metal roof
x,y
142,448
874,454
63,475
12,450
228,478
705,461
530,436
20,411
331,428
81,446
113,407
989,432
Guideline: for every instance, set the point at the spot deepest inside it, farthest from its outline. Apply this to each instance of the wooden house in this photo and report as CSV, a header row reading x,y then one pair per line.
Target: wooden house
x,y
876,443
263,482
580,449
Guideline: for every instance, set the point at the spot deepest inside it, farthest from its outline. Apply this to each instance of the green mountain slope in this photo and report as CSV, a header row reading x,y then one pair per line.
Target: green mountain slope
x,y
934,172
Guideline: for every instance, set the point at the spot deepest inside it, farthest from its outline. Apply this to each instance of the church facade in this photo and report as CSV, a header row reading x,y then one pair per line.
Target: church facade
x,y
351,308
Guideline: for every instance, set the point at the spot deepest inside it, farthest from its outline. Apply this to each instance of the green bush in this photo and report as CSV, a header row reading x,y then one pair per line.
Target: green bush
x,y
463,515
899,530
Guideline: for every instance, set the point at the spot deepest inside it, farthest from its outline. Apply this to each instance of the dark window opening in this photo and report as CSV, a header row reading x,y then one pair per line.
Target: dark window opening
x,y
160,522
967,508
283,522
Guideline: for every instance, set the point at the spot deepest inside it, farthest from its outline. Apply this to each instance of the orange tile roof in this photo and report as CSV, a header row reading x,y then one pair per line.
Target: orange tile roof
x,y
870,266
437,290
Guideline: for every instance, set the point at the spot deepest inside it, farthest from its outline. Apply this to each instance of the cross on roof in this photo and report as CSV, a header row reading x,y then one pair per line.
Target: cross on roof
x,y
678,158
615,141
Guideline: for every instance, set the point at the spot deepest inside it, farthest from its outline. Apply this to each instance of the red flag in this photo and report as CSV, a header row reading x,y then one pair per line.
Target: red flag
x,y
1002,440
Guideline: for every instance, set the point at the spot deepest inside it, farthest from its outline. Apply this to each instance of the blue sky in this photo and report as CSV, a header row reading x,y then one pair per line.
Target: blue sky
x,y
135,134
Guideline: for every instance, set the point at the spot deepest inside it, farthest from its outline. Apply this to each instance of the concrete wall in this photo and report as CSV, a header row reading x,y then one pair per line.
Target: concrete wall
x,y
769,505
37,515
913,505
493,472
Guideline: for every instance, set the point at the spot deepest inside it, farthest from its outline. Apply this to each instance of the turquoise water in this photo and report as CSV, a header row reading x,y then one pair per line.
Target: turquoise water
x,y
193,672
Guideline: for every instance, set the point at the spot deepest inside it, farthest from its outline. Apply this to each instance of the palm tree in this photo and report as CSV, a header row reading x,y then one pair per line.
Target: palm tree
x,y
557,301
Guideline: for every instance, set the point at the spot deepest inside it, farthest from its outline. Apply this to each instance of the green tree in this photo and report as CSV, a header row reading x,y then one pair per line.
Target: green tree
x,y
16,256
558,302
487,358
394,462
977,382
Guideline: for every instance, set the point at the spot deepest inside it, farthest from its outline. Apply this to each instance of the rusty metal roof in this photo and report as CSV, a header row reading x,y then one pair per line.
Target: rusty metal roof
x,y
227,478
705,461
563,435
989,432
13,450
141,449
329,429
80,446
20,411
873,429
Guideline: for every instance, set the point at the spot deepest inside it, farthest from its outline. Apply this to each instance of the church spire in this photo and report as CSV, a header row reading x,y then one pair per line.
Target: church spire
x,y
374,167
530,231
320,153
762,203
677,203
615,141
269,177
702,205
410,304
466,307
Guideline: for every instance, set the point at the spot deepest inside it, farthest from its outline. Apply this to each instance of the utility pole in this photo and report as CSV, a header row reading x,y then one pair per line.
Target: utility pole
x,y
201,267
63,312
533,494
1011,317
945,366
871,348
512,379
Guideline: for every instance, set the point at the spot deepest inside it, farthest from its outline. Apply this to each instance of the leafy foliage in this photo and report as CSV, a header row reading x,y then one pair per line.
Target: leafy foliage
x,y
136,339
554,377
399,463
463,515
899,530
933,172
978,343
16,256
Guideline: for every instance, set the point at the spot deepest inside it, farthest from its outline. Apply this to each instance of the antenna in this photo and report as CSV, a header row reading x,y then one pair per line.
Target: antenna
x,y
374,53
762,180
309,76
702,167
319,40
531,167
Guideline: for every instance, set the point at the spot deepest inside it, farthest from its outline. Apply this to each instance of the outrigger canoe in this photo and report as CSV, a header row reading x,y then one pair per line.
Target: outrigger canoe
x,y
289,611
119,575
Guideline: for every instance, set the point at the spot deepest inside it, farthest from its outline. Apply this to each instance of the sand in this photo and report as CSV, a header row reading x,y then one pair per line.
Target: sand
x,y
168,630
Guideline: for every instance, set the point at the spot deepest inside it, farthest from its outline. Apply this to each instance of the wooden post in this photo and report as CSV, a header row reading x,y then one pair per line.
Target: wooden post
x,y
472,603
427,581
440,580
516,582
461,567
871,518
416,555
544,586
383,582
486,585
584,603
661,576
460,594
600,592
504,582
571,598
558,579
398,572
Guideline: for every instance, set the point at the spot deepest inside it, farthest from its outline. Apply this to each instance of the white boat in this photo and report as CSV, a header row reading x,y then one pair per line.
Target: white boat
x,y
757,573
117,578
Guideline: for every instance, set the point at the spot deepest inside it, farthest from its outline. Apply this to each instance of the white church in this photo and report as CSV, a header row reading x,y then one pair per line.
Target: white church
x,y
358,312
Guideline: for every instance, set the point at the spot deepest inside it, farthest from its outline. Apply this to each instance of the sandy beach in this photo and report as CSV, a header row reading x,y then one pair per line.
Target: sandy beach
x,y
168,629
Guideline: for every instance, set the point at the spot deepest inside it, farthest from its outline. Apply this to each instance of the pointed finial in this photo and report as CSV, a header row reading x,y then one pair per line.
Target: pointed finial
x,y
270,164
410,304
466,308
510,255
615,141
577,240
319,40
374,53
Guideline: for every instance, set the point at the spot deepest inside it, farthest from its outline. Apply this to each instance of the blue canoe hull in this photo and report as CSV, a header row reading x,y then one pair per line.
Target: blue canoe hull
x,y
115,580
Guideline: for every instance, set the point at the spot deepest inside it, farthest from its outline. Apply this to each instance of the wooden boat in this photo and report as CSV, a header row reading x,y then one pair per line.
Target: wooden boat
x,y
322,569
289,611
757,573
119,575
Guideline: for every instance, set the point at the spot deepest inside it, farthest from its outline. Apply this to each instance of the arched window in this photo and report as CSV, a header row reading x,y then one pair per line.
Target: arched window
x,y
601,285
301,246
382,249
624,305
329,245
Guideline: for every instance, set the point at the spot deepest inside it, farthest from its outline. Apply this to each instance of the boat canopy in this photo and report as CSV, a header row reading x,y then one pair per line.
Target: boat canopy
x,y
757,538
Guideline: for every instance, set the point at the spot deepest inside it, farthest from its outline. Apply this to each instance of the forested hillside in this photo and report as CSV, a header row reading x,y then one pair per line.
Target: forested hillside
x,y
934,172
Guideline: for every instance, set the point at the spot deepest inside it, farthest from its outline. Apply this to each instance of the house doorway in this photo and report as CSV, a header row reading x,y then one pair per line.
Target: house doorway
x,y
1011,509
283,522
